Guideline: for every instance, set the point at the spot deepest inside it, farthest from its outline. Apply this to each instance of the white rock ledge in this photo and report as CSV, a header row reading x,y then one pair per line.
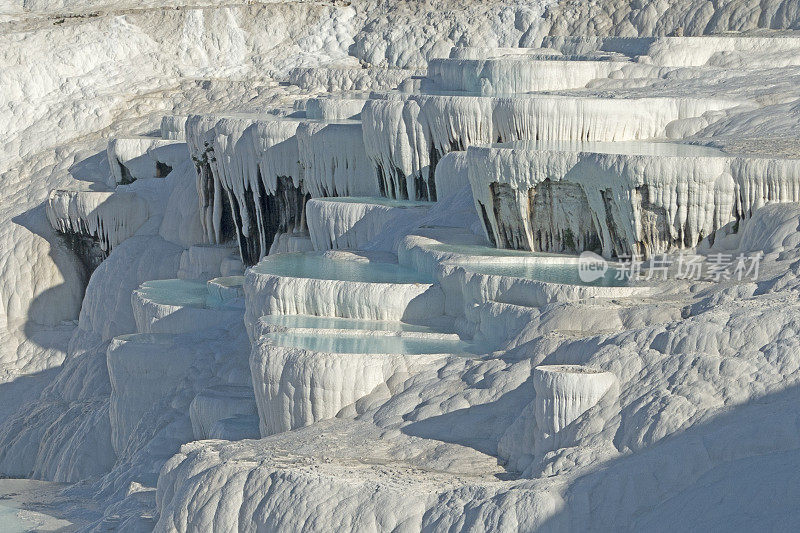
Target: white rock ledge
x,y
626,198
406,135
340,223
394,294
142,369
477,288
336,107
132,158
106,217
517,73
295,386
219,403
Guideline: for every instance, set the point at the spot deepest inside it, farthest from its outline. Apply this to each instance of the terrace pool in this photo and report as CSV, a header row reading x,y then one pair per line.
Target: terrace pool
x,y
189,292
547,271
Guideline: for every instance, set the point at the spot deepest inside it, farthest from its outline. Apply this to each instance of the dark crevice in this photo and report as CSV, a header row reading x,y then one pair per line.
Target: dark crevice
x,y
489,232
162,169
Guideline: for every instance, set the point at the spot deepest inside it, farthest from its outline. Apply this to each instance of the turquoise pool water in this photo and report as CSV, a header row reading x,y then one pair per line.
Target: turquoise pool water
x,y
315,265
389,202
9,522
185,292
322,322
356,344
229,281
181,292
566,273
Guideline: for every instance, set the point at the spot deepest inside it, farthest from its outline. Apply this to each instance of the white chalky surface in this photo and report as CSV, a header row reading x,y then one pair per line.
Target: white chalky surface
x,y
557,405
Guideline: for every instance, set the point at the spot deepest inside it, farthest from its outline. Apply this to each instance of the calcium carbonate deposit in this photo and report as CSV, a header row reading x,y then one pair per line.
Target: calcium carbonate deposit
x,y
499,265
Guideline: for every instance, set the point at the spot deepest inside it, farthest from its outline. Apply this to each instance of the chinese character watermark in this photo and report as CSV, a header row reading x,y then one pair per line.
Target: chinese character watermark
x,y
715,267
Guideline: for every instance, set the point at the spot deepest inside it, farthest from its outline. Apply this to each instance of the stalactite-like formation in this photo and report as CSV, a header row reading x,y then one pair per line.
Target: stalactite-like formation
x,y
92,223
621,199
406,136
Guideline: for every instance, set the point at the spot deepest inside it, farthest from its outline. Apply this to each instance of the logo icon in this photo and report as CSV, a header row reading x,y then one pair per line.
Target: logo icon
x,y
591,267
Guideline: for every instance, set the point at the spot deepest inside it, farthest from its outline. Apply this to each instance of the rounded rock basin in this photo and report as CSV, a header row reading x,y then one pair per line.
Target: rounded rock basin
x,y
533,283
187,292
178,292
182,305
339,267
224,288
482,259
357,344
302,377
360,285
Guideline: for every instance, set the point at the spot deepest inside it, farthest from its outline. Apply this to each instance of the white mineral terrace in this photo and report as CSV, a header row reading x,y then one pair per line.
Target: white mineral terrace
x,y
204,261
224,288
620,198
132,158
518,73
173,127
360,266
214,405
352,222
401,134
482,52
181,305
564,393
333,160
143,369
303,377
106,217
337,79
710,50
471,274
339,284
336,107
255,173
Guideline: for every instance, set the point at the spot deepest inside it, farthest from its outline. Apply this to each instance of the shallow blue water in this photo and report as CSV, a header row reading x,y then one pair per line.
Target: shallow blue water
x,y
229,281
358,344
322,322
316,266
182,292
9,523
566,273
185,292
